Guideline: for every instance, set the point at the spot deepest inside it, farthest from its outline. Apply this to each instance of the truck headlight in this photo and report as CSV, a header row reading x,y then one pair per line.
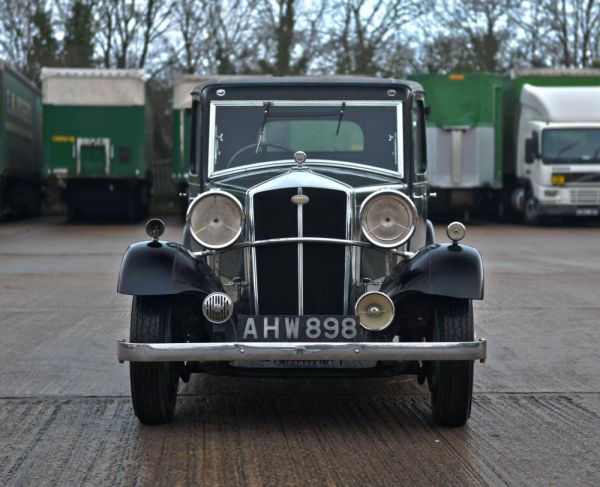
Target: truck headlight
x,y
388,218
216,219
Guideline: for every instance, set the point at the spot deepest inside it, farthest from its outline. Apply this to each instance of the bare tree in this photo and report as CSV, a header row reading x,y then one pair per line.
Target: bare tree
x,y
366,34
190,24
575,31
290,34
128,29
27,35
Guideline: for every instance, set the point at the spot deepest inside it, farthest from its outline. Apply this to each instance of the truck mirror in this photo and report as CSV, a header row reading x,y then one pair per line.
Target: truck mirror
x,y
529,150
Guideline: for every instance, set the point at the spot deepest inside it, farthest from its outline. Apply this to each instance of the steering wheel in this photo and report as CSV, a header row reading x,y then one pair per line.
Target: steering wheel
x,y
250,146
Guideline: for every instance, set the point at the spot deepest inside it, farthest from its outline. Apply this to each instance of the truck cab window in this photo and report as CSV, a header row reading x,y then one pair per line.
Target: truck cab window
x,y
419,154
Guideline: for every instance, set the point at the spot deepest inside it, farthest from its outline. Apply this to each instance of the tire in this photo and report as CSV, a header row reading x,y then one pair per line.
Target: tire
x,y
530,215
451,382
153,384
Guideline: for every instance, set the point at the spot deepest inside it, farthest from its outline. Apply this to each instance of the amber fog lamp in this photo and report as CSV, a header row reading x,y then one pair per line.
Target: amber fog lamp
x,y
375,310
388,218
216,219
155,228
558,179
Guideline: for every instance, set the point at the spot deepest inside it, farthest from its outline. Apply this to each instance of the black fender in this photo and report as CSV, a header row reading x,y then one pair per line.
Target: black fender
x,y
161,268
451,270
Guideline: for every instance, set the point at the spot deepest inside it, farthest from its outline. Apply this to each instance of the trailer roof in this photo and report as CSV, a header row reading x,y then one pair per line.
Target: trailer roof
x,y
551,72
18,74
93,87
563,103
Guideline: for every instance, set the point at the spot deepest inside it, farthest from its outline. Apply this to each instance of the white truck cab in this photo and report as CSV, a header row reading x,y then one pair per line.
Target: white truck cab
x,y
558,152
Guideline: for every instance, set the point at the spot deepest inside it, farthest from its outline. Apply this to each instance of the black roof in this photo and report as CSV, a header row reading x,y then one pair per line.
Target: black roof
x,y
285,81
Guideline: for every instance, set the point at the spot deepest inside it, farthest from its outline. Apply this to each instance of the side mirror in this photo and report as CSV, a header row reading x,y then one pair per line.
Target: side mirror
x,y
530,150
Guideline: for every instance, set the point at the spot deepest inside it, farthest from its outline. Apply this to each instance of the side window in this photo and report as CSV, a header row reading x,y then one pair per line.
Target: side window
x,y
195,132
418,136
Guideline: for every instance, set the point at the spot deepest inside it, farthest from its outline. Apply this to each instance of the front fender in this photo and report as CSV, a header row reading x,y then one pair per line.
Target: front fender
x,y
451,270
160,268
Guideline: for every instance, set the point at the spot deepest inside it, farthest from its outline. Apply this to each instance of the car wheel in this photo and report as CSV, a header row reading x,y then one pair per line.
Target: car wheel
x,y
451,382
153,384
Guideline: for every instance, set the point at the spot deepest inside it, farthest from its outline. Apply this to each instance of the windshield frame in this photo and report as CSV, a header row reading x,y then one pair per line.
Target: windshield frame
x,y
399,172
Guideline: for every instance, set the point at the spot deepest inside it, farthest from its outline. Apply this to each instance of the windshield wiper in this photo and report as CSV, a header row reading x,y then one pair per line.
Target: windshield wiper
x,y
566,148
267,106
340,119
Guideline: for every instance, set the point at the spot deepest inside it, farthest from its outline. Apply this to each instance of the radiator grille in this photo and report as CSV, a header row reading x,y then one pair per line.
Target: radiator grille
x,y
585,196
275,216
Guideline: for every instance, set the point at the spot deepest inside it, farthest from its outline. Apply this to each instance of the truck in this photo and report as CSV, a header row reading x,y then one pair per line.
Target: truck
x,y
95,141
21,175
553,159
464,140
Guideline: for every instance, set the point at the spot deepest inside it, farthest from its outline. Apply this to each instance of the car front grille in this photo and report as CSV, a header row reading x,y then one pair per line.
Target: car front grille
x,y
323,266
585,196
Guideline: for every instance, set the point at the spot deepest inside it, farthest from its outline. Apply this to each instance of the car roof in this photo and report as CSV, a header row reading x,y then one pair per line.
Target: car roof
x,y
297,81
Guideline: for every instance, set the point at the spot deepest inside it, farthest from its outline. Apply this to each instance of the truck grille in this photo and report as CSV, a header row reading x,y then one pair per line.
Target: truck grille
x,y
585,196
323,265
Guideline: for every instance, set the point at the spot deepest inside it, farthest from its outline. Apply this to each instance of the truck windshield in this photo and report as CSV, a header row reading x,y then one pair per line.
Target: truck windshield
x,y
571,146
356,132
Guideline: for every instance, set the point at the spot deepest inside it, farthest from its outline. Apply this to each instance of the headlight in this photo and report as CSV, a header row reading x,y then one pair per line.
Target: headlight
x,y
216,219
388,218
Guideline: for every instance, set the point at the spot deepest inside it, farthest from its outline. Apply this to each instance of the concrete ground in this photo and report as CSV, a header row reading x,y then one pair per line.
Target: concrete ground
x,y
66,418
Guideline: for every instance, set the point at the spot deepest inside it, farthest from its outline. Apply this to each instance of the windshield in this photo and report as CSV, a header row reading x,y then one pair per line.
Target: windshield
x,y
571,146
362,133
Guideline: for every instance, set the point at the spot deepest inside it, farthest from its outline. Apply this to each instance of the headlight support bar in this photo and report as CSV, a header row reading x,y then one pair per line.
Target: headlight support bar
x,y
277,241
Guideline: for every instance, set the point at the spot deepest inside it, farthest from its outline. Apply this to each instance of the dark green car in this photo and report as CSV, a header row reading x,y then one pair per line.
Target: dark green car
x,y
306,249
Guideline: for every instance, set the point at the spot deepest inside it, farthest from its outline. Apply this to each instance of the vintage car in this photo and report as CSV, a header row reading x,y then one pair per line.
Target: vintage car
x,y
307,249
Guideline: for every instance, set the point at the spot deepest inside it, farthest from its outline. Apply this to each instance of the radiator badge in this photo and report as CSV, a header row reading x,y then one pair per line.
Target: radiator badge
x,y
300,199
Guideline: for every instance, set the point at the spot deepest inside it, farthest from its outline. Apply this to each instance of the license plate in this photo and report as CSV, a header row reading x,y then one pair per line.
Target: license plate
x,y
586,211
298,328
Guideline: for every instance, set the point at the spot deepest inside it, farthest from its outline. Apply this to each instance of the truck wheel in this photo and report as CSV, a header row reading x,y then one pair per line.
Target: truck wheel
x,y
153,384
530,214
451,382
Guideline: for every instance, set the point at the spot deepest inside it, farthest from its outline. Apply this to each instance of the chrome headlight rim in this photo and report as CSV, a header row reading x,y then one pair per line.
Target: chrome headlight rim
x,y
405,199
206,194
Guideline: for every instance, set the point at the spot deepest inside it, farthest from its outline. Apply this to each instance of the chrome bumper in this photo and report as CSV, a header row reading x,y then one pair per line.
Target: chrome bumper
x,y
227,351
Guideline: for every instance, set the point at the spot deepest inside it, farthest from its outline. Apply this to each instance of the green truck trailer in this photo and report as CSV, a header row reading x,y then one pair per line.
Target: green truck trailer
x,y
20,144
95,140
464,140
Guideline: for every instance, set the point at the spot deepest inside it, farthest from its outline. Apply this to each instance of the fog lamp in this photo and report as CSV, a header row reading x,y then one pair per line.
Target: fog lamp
x,y
551,192
375,310
217,307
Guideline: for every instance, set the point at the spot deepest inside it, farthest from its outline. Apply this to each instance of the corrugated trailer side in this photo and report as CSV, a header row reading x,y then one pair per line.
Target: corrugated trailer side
x,y
20,144
95,140
464,139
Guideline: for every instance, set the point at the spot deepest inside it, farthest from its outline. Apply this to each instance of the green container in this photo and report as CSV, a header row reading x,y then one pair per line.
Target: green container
x,y
464,129
94,123
20,143
95,139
